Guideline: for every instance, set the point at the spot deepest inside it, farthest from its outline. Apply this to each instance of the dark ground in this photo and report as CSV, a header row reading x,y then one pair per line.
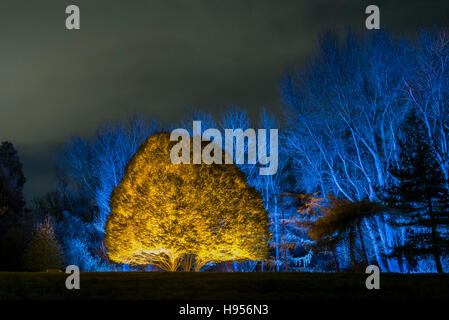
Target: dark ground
x,y
223,286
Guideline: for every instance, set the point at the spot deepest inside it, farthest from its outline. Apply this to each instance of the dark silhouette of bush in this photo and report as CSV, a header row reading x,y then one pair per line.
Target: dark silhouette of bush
x,y
14,227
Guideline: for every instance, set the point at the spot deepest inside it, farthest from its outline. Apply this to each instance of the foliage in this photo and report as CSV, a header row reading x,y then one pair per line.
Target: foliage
x,y
44,251
14,227
428,91
11,178
87,171
341,220
79,247
421,196
246,266
162,211
96,167
344,110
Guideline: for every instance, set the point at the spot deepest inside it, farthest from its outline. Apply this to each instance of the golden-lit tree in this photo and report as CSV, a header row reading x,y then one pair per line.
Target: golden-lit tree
x,y
167,214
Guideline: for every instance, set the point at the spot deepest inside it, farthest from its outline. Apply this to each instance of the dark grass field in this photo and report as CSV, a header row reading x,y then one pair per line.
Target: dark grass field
x,y
223,286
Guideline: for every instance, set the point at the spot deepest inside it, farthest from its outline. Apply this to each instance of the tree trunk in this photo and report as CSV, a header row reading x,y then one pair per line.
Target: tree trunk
x,y
351,247
337,267
436,256
436,252
189,262
375,246
276,231
363,243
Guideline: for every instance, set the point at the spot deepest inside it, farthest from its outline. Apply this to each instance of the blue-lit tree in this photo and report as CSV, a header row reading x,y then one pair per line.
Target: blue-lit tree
x,y
91,169
271,187
428,92
420,196
344,110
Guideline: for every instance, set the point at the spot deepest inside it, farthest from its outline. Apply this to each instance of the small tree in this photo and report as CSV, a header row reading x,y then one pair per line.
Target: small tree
x,y
420,195
165,214
44,251
341,220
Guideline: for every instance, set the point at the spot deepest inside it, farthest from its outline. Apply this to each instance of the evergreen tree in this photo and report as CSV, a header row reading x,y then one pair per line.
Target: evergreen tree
x,y
11,178
341,222
14,227
44,251
420,196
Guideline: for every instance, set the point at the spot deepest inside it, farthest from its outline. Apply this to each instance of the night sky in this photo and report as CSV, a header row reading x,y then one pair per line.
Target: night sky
x,y
160,58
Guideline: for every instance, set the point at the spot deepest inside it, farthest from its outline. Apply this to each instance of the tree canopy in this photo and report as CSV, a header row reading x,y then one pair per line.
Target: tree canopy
x,y
162,213
43,251
420,195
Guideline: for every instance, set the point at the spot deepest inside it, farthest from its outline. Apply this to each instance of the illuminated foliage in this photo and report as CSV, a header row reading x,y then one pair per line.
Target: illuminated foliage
x,y
420,196
339,221
44,251
167,214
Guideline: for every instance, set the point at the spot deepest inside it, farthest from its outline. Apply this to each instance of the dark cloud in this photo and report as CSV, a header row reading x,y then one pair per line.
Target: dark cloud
x,y
157,57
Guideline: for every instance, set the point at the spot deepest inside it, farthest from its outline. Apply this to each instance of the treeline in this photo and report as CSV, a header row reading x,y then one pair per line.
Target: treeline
x,y
362,176
349,133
